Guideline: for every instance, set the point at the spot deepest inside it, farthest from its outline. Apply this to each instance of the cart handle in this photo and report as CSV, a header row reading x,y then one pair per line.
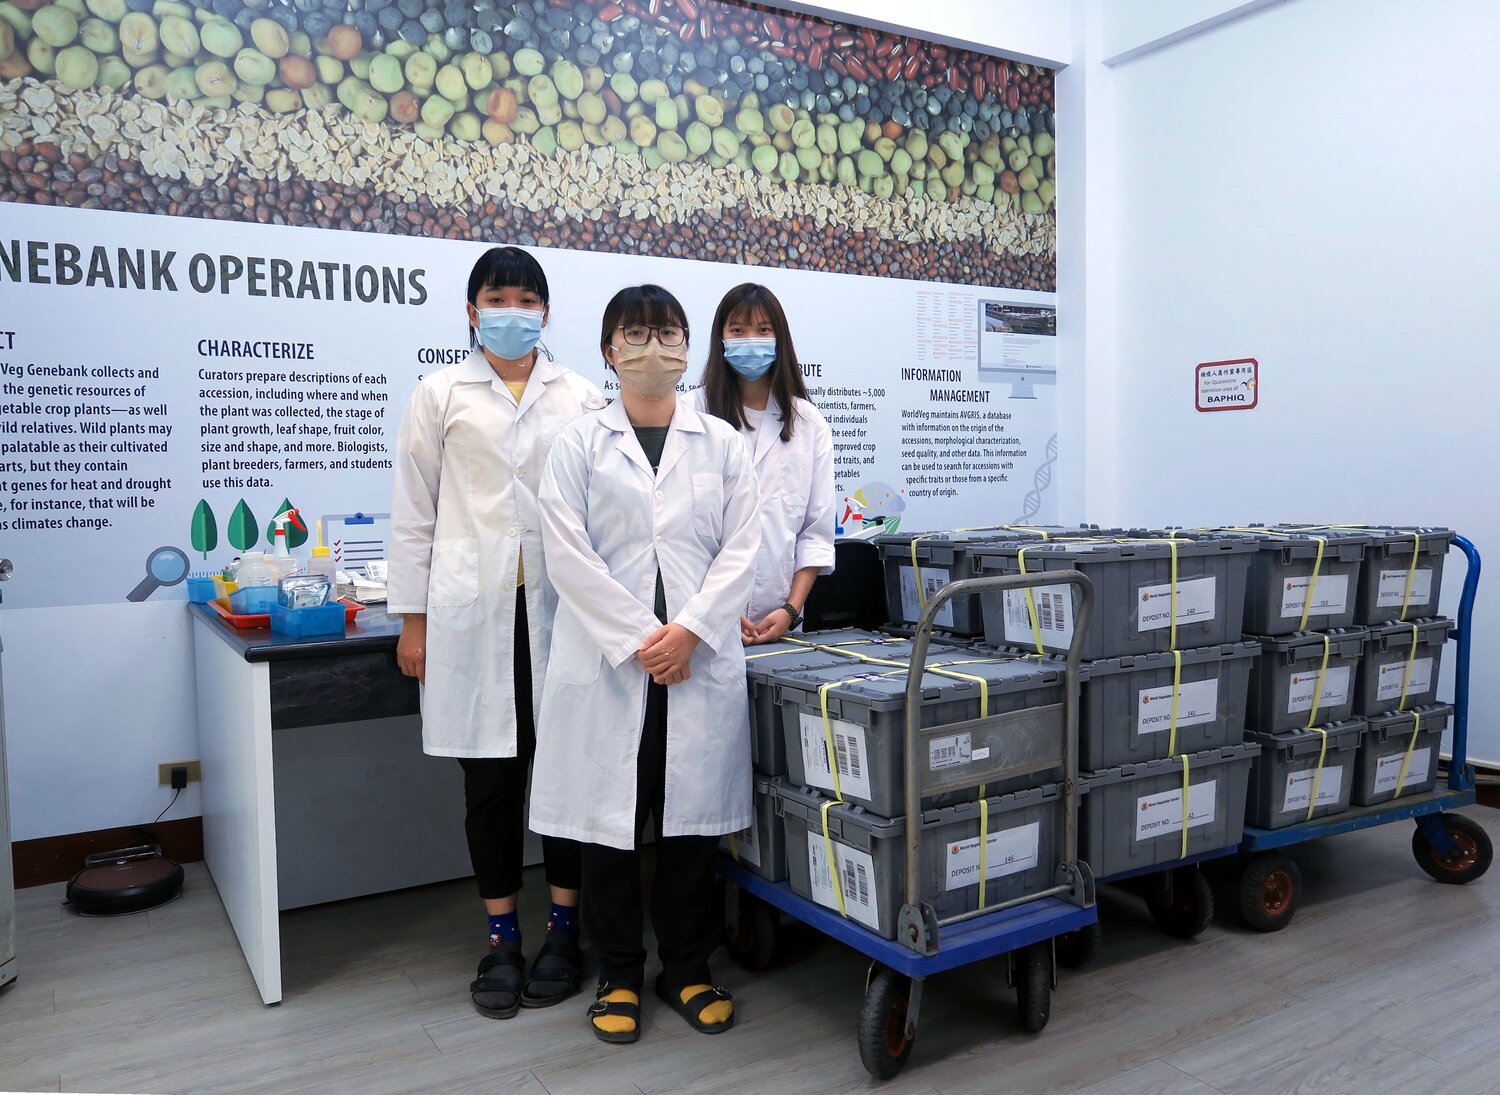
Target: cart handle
x,y
921,640
1460,775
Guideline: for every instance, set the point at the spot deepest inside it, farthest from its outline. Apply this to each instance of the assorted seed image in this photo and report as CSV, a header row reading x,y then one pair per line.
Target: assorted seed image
x,y
692,128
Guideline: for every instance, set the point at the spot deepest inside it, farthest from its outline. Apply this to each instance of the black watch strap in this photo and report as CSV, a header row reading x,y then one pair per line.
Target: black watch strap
x,y
791,611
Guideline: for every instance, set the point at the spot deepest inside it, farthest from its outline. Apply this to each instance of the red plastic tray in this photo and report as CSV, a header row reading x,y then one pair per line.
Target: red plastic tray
x,y
263,619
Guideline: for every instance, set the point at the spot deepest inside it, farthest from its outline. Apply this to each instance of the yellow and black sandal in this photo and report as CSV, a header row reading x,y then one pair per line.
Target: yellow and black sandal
x,y
693,1007
615,1002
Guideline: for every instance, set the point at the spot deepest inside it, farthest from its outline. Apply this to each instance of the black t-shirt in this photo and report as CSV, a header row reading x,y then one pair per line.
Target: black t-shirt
x,y
653,439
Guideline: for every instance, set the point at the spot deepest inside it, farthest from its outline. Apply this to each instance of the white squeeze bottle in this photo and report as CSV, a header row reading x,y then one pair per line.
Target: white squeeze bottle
x,y
322,559
281,556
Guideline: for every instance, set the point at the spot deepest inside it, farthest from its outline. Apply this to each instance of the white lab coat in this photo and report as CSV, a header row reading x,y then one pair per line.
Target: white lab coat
x,y
608,525
464,506
796,500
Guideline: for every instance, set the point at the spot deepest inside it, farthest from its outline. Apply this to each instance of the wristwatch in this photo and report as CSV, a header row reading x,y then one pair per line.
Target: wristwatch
x,y
791,611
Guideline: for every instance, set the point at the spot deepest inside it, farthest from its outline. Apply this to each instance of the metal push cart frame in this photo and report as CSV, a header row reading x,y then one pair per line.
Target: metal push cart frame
x,y
925,945
1449,847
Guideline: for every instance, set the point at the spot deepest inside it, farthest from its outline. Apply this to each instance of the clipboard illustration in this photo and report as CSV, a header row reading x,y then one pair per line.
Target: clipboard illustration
x,y
356,539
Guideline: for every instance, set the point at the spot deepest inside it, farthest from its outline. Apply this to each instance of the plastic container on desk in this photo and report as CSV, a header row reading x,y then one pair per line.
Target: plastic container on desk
x,y
252,600
305,623
201,590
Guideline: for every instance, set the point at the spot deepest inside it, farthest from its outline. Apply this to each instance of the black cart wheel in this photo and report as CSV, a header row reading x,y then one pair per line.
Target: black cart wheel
x,y
752,943
1270,887
1033,973
883,1043
1469,860
1182,903
1077,949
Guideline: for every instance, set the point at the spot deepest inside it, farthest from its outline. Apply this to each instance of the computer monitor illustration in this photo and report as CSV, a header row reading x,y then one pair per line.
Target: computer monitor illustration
x,y
1017,345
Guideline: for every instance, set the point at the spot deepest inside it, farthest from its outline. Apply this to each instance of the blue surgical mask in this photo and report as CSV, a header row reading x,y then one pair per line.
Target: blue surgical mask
x,y
510,333
752,358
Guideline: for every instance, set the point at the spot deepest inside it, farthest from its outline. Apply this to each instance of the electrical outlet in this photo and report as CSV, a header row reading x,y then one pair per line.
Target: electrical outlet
x,y
164,771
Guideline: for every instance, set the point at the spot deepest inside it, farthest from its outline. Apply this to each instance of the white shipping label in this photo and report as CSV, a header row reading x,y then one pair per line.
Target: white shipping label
x,y
1299,695
849,747
1393,588
1158,815
1054,611
1196,604
1299,788
856,872
746,844
933,579
1388,685
949,752
1008,852
1197,702
1329,598
1388,770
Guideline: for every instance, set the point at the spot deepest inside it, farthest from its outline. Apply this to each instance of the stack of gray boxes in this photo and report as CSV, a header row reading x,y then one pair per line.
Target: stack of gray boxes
x,y
1164,686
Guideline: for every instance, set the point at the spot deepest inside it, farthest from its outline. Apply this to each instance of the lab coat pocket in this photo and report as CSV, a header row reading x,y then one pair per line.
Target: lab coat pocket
x,y
729,665
455,573
574,658
708,506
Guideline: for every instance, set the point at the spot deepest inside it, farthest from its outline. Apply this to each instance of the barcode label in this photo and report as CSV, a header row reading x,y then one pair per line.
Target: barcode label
x,y
850,750
856,872
949,752
1388,685
1054,617
933,579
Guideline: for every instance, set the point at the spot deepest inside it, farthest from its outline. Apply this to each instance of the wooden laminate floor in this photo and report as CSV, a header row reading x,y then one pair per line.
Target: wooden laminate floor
x,y
1385,982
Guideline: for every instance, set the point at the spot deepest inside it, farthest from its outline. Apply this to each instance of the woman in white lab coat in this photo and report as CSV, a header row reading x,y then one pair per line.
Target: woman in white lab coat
x,y
648,516
469,577
753,382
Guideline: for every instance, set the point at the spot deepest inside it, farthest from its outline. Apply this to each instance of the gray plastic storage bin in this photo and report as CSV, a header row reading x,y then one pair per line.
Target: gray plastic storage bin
x,y
1383,594
1282,572
866,707
1131,817
767,746
1133,586
1025,836
1282,780
1378,771
943,557
1383,673
760,847
1126,712
1286,675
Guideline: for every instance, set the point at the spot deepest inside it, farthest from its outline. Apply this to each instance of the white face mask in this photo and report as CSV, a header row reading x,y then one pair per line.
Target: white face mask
x,y
650,371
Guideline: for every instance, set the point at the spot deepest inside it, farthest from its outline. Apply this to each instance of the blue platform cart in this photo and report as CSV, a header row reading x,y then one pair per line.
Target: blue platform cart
x,y
1023,929
1448,846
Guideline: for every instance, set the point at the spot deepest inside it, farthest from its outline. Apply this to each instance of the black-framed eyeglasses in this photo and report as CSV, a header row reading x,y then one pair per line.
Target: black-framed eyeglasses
x,y
638,334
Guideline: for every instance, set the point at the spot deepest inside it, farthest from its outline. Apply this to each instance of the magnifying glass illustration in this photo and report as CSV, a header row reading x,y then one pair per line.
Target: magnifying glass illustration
x,y
166,566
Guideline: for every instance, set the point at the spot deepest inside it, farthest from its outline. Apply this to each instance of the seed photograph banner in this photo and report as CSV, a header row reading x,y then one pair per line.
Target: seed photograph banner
x,y
233,234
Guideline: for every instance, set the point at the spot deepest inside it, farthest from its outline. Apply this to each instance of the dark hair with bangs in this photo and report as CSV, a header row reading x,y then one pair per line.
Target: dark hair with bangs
x,y
504,268
648,305
721,384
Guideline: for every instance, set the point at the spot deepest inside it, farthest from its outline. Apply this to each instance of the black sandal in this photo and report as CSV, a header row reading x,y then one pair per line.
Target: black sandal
x,y
556,973
693,1008
600,1007
496,992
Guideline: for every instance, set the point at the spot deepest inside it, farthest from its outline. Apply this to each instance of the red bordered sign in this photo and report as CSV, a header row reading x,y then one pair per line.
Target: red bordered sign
x,y
1228,385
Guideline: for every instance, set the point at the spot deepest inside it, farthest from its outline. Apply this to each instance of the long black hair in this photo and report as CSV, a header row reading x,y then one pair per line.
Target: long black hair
x,y
721,385
502,268
648,305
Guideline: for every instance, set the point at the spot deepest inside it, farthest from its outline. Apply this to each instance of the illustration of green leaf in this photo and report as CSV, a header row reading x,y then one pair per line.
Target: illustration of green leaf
x,y
243,531
295,537
205,532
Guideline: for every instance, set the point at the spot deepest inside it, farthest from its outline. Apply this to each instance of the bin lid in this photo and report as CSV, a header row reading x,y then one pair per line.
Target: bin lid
x,y
1343,642
764,662
989,533
883,687
1130,663
1116,549
1435,718
1341,735
806,804
1206,760
1435,540
1431,630
1338,545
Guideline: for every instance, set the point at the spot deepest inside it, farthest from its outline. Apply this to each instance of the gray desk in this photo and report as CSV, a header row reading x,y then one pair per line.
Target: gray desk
x,y
315,787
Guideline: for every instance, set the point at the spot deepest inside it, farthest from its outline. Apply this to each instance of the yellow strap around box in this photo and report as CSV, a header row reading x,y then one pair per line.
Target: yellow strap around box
x,y
984,843
1317,696
1036,620
833,863
1411,574
734,848
1186,814
1312,795
1410,749
1312,586
1411,660
1176,695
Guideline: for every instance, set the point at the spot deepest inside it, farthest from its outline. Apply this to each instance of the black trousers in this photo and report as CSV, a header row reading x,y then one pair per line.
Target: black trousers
x,y
683,908
495,798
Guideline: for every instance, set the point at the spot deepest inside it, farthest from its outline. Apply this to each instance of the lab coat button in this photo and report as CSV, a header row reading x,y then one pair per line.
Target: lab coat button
x,y
514,532
660,496
520,473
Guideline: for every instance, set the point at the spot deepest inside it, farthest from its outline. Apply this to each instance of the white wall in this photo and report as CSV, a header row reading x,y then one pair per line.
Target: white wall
x,y
1029,30
1314,186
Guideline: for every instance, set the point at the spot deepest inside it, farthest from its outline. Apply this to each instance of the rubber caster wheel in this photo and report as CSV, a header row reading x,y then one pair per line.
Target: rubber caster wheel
x,y
1182,904
752,944
1033,977
1077,949
884,1044
1270,888
1470,860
